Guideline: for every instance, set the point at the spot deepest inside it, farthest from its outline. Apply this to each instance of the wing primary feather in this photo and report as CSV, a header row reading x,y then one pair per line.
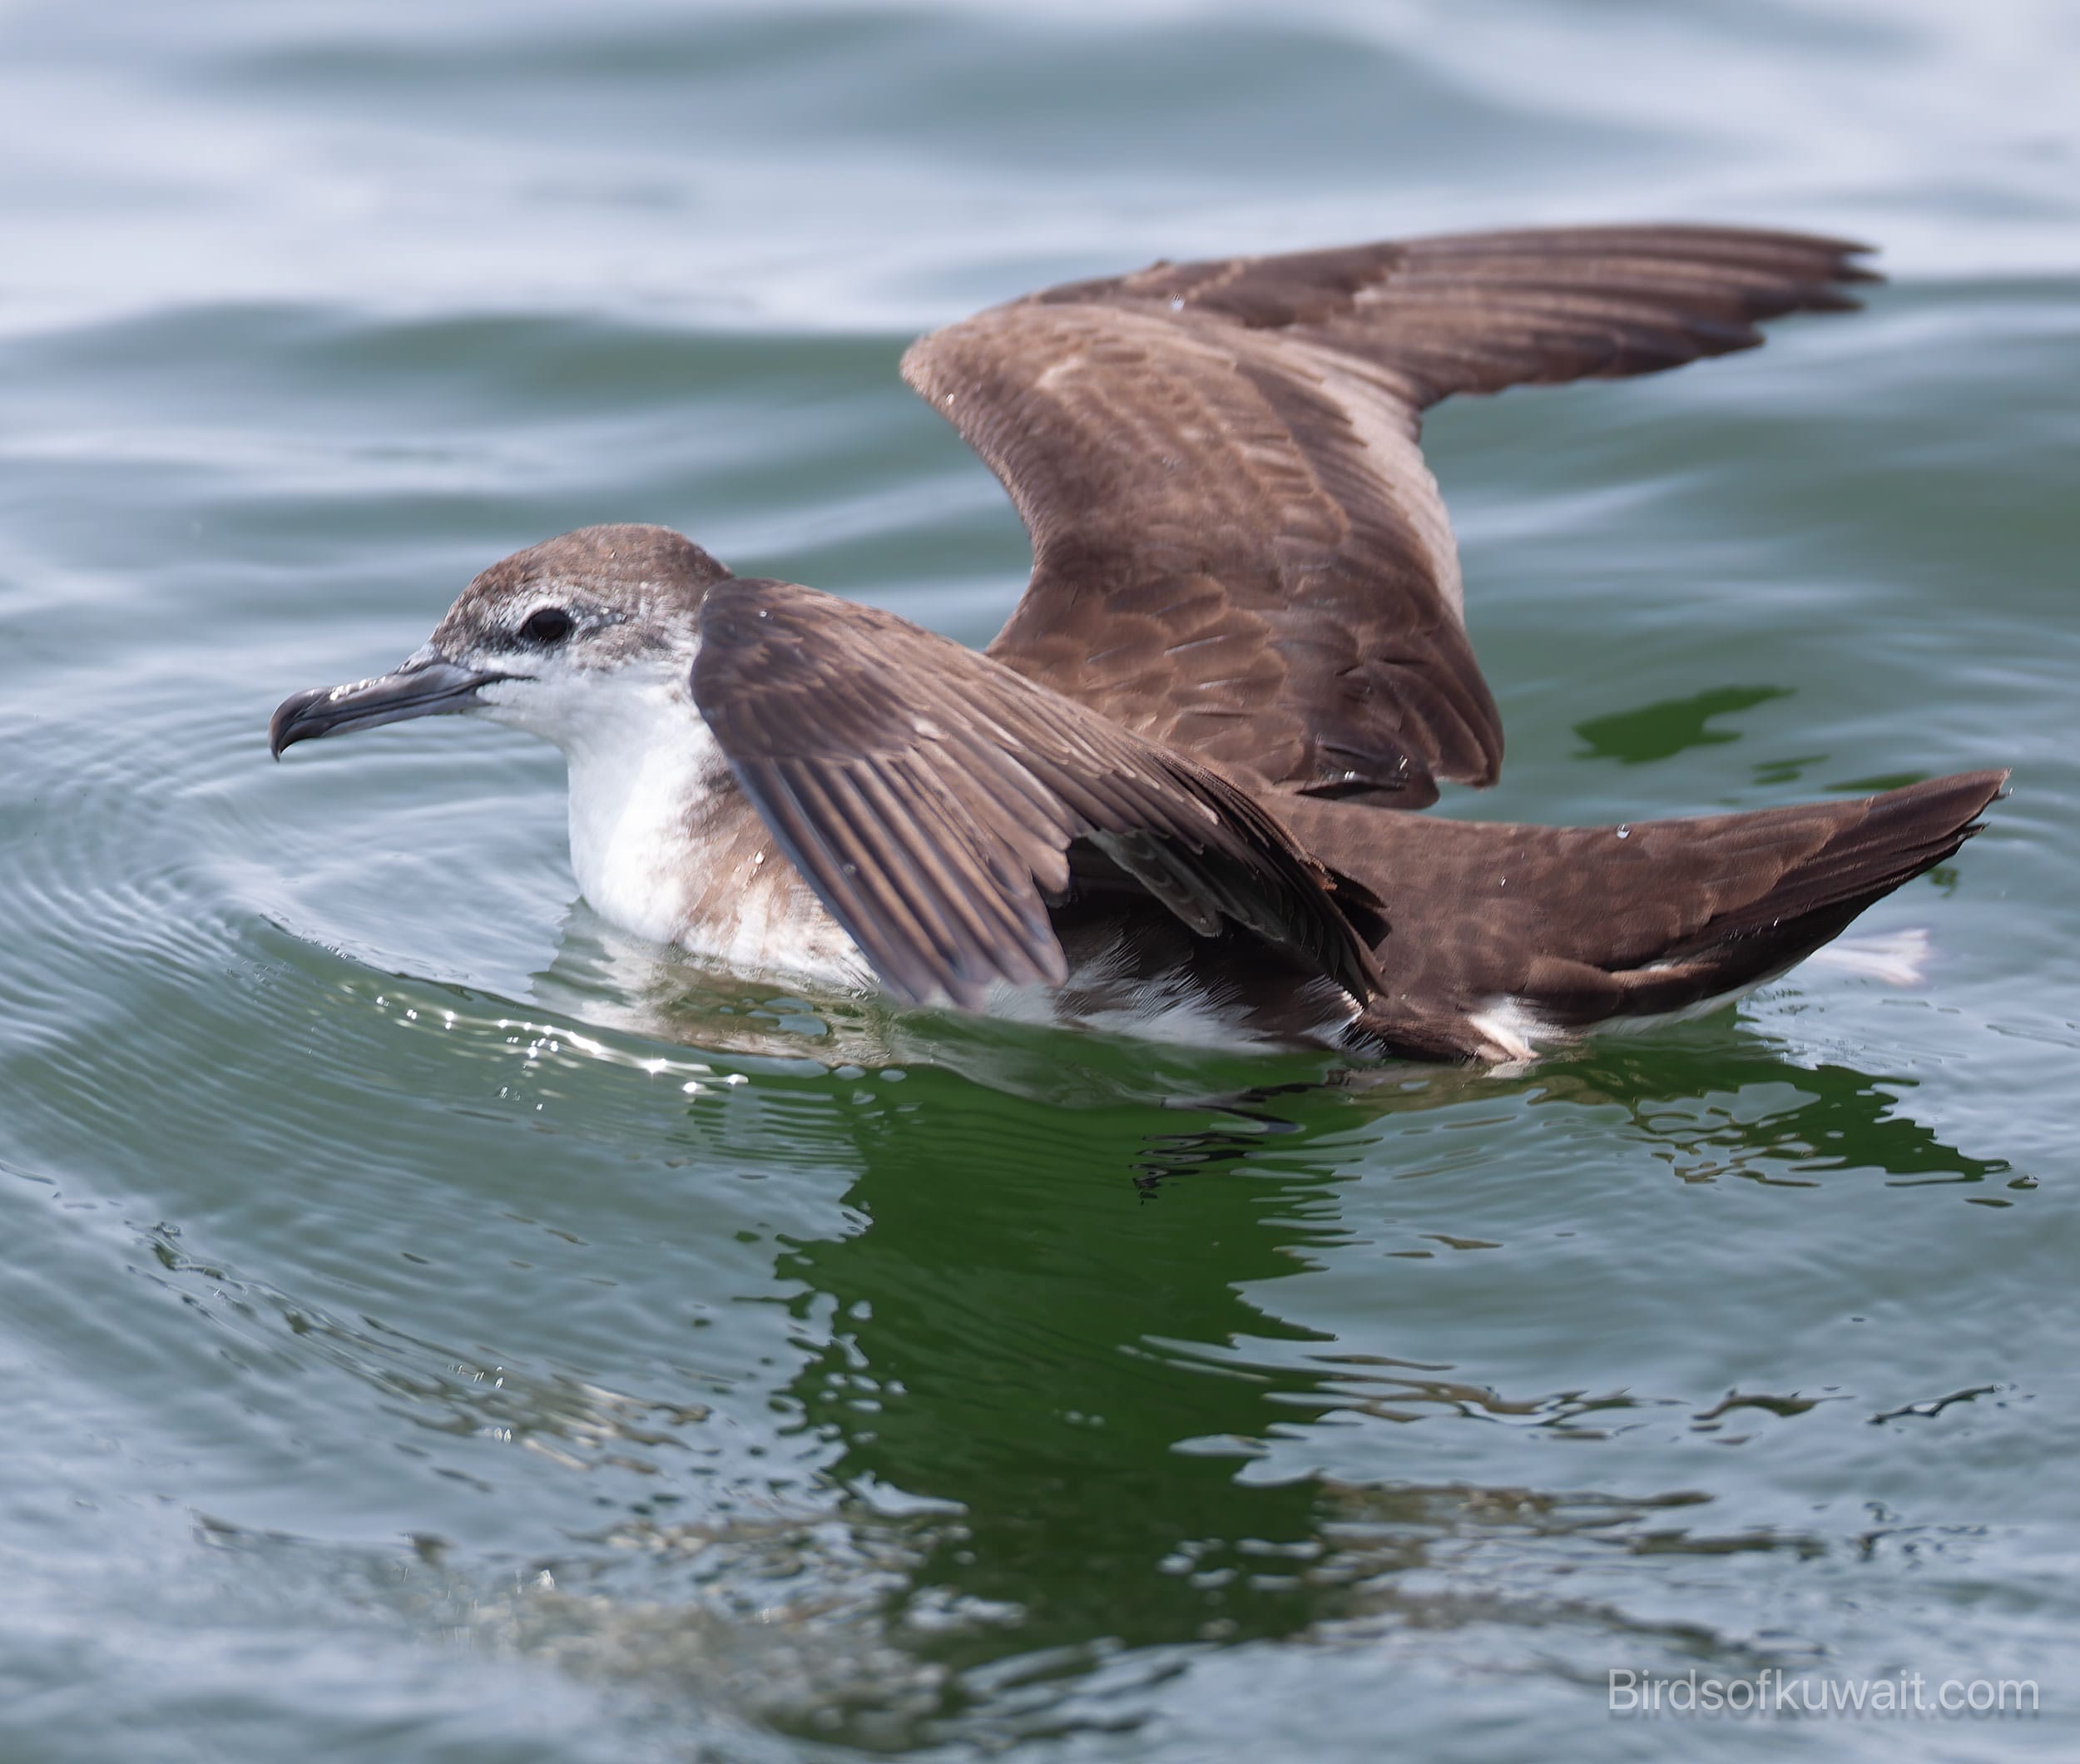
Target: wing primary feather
x,y
930,798
1230,449
905,911
900,967
944,937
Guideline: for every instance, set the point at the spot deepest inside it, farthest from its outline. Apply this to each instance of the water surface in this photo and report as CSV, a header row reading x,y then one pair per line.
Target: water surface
x,y
436,1328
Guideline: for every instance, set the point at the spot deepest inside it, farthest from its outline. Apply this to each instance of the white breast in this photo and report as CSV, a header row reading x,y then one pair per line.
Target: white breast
x,y
641,763
660,844
654,853
665,846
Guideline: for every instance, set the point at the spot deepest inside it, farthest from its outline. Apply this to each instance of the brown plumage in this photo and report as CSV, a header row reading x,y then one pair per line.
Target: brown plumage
x,y
1238,551
1180,773
932,799
1237,547
1576,925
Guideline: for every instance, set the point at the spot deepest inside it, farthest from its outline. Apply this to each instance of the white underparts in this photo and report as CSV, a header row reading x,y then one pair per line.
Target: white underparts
x,y
1178,1008
662,847
645,776
652,855
1511,1031
640,760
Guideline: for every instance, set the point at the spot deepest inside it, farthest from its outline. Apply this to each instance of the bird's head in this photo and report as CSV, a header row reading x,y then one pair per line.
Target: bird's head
x,y
558,640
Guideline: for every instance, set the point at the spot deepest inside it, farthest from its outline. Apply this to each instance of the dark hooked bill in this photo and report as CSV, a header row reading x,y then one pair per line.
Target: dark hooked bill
x,y
428,684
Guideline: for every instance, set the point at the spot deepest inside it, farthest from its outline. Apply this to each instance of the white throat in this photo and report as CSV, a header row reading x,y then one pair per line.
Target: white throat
x,y
654,846
642,763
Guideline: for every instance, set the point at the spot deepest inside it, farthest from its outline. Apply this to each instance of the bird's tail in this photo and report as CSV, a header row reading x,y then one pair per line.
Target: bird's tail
x,y
1867,849
1566,927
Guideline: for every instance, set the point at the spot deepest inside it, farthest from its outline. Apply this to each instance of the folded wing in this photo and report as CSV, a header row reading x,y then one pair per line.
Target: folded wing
x,y
1238,550
931,798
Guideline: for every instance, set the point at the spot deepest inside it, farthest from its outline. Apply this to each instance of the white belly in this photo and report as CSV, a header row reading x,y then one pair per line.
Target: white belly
x,y
666,846
662,869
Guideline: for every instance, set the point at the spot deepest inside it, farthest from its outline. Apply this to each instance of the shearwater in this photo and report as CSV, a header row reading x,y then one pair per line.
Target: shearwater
x,y
1172,796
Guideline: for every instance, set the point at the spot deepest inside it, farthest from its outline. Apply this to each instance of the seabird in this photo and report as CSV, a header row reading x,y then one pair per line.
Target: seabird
x,y
1171,797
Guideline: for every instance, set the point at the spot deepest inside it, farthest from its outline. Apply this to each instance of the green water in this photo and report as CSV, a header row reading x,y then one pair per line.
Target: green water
x,y
434,1328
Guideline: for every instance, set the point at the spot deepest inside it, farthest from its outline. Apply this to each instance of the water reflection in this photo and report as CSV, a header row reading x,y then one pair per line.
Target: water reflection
x,y
1055,1366
1670,726
1739,1107
604,977
1055,1347
1716,1099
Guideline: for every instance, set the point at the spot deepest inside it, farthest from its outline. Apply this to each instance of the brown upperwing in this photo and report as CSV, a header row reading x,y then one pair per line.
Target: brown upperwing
x,y
1238,550
1581,924
929,797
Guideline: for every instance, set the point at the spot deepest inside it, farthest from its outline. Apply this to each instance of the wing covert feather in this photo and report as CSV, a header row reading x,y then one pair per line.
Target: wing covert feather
x,y
1238,549
929,797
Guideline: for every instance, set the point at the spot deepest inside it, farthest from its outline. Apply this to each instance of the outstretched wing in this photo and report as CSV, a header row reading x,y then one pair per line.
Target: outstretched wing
x,y
930,797
1237,547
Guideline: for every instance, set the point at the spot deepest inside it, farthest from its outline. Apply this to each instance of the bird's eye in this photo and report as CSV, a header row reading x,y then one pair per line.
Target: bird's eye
x,y
547,625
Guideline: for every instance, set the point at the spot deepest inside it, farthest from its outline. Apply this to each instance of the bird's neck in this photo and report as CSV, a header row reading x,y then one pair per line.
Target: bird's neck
x,y
646,782
666,844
